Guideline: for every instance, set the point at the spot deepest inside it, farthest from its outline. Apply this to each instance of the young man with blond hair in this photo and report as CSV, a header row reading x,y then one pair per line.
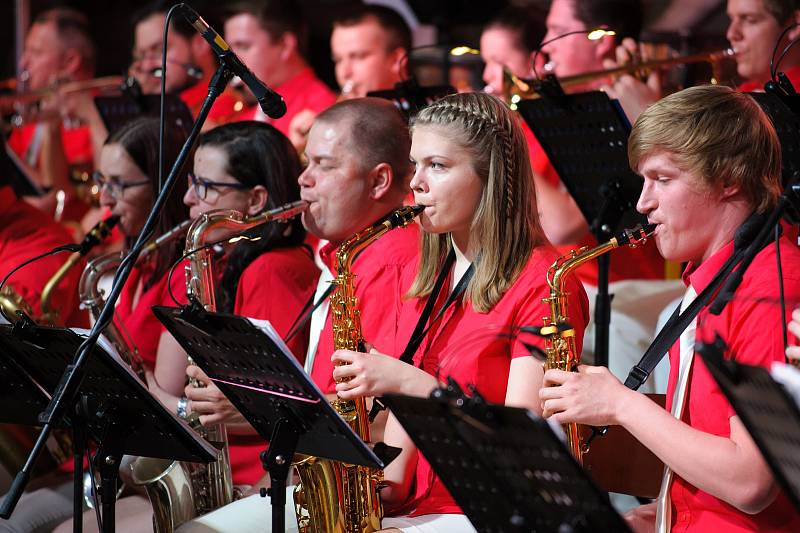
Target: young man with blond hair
x,y
710,159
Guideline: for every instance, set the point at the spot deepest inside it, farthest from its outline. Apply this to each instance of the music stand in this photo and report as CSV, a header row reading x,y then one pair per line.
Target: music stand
x,y
116,409
263,380
585,136
767,411
409,97
116,111
505,467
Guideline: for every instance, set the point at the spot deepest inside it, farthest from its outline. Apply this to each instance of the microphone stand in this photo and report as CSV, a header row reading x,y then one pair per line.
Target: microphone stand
x,y
64,397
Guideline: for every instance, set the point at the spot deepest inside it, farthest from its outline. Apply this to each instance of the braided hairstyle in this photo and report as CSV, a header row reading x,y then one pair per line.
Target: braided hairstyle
x,y
505,226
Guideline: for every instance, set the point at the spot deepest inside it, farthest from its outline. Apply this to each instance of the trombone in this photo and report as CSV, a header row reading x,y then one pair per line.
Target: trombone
x,y
516,88
37,95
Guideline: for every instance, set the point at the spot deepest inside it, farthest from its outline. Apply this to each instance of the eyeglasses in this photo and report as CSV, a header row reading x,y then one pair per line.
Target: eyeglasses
x,y
114,184
202,186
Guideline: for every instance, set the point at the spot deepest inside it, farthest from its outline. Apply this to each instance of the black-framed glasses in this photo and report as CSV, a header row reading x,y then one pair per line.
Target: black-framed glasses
x,y
115,185
202,186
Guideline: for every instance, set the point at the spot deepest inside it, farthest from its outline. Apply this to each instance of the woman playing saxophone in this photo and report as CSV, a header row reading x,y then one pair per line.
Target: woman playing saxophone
x,y
473,177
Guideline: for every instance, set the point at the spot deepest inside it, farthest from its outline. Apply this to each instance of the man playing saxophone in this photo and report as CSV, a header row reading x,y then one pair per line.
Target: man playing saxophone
x,y
358,172
697,168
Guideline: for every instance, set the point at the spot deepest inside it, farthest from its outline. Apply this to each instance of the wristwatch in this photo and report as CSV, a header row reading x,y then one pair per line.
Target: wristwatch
x,y
183,404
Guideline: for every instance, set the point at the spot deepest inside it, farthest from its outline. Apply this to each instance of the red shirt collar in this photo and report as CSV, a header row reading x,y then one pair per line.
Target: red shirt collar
x,y
327,254
297,83
700,276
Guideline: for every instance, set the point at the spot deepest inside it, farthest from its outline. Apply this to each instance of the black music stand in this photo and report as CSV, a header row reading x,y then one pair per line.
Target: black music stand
x,y
787,126
585,136
409,97
505,467
116,409
116,111
259,375
767,411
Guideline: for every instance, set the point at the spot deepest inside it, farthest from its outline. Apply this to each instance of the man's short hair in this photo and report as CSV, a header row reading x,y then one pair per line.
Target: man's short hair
x,y
720,135
526,24
72,29
623,16
782,10
398,32
276,17
206,9
378,133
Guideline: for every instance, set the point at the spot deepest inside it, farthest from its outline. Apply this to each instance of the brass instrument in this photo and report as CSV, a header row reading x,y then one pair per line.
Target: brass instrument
x,y
12,304
96,235
37,95
560,343
334,497
516,88
180,491
93,297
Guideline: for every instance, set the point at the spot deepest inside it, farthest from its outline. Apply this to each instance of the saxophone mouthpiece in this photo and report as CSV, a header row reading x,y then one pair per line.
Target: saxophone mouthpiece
x,y
98,234
403,216
635,236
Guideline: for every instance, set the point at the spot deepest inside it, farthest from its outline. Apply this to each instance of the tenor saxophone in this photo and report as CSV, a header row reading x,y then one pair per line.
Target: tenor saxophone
x,y
181,491
333,497
560,342
92,296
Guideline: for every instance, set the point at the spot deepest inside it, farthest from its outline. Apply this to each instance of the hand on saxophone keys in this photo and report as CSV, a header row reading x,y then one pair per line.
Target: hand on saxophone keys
x,y
591,396
209,403
369,374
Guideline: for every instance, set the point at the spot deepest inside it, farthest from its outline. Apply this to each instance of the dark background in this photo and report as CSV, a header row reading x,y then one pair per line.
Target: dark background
x,y
459,21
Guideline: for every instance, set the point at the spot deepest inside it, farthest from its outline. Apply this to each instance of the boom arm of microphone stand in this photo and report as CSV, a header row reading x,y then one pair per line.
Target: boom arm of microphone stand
x,y
64,396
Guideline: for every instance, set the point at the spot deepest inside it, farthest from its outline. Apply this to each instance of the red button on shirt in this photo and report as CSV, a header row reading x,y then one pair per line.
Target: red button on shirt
x,y
379,273
26,232
750,325
303,91
472,348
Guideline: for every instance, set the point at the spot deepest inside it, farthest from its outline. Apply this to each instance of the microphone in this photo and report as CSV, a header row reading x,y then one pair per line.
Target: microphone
x,y
271,103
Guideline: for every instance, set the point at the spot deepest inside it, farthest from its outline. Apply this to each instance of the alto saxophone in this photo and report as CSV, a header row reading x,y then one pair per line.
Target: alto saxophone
x,y
181,491
559,342
333,497
93,297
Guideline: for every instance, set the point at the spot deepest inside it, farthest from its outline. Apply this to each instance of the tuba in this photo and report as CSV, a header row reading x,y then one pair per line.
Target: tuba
x,y
180,491
333,497
560,342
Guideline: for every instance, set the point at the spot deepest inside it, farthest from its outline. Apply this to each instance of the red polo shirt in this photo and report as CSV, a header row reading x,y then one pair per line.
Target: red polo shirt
x,y
26,232
303,91
77,144
626,263
138,322
379,273
473,348
274,287
751,327
793,73
224,108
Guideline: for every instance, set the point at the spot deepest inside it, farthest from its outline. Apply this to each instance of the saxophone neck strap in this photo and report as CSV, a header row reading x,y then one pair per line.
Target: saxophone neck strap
x,y
308,310
678,322
424,324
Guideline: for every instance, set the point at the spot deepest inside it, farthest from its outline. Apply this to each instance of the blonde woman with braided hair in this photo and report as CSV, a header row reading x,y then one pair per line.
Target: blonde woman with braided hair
x,y
481,276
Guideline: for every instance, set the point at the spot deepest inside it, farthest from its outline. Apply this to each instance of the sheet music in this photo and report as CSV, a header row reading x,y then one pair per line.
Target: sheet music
x,y
789,377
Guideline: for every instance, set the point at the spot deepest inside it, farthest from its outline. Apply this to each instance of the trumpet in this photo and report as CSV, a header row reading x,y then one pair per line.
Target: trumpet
x,y
37,95
516,88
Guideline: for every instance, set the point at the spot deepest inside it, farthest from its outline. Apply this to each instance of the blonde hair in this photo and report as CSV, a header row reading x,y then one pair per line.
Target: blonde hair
x,y
721,135
505,226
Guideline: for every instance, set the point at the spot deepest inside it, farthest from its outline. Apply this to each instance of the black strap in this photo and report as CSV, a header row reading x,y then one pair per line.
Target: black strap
x,y
307,311
423,324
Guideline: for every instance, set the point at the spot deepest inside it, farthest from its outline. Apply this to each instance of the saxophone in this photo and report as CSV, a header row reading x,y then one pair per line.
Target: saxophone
x,y
93,297
333,497
559,342
180,491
